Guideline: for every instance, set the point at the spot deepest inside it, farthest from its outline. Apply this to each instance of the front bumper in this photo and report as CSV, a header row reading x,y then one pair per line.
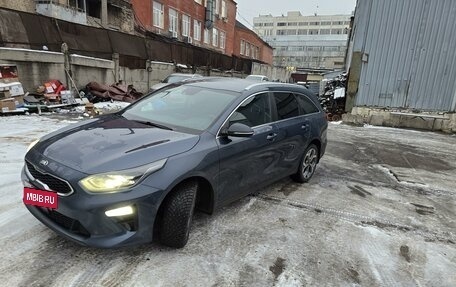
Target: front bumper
x,y
81,217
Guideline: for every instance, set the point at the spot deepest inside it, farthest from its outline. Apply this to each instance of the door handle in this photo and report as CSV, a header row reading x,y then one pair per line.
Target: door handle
x,y
271,137
305,126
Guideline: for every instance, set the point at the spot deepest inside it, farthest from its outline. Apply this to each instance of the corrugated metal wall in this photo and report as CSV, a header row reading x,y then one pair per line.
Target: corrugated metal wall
x,y
409,56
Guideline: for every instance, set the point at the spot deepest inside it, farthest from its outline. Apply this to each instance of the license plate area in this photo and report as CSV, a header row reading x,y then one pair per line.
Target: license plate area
x,y
40,198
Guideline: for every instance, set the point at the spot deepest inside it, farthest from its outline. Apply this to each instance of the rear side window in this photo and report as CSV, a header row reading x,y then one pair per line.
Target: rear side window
x,y
306,106
287,105
255,111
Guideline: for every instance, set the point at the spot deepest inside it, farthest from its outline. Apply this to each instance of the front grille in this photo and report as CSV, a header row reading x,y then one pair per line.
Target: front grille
x,y
54,183
66,222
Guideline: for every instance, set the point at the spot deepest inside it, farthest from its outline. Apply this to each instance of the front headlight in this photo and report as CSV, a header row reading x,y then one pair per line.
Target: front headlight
x,y
119,180
32,144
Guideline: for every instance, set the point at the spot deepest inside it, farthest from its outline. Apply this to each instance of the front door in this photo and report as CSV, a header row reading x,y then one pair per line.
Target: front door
x,y
247,162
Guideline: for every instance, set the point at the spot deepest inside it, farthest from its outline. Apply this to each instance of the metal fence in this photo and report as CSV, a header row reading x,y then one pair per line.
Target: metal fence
x,y
408,50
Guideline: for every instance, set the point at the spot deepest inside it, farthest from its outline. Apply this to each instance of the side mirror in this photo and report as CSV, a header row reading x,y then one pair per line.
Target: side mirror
x,y
239,130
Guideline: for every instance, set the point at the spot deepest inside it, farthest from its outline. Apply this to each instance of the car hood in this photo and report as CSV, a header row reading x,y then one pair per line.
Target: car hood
x,y
113,143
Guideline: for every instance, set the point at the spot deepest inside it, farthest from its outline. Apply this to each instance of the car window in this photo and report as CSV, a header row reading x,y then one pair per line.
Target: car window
x,y
182,107
287,105
253,112
306,106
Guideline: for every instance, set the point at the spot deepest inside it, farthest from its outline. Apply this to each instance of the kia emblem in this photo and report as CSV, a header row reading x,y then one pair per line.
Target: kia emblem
x,y
44,162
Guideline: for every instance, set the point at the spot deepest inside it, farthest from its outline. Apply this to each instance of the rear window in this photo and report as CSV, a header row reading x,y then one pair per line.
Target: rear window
x,y
287,105
306,106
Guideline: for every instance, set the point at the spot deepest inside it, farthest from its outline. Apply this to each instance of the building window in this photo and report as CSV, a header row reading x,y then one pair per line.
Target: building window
x,y
242,52
313,32
196,30
257,53
314,23
303,23
158,15
336,31
222,39
338,23
215,37
268,24
325,31
186,25
292,24
173,20
224,9
302,32
207,36
217,7
326,23
281,24
281,32
291,32
247,49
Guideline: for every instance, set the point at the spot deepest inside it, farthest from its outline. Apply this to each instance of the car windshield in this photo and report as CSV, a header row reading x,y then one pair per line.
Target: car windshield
x,y
176,78
184,108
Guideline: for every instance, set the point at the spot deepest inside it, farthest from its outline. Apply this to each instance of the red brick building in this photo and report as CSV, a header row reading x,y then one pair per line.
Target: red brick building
x,y
250,45
188,21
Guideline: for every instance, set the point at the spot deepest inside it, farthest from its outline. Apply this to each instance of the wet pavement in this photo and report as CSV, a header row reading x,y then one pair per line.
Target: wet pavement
x,y
380,211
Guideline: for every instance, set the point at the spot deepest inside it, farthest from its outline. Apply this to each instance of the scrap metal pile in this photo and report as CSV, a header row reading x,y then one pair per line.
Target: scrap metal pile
x,y
333,98
96,92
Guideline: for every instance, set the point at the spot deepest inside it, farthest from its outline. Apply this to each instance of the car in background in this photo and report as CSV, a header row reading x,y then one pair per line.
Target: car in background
x,y
174,78
125,178
257,78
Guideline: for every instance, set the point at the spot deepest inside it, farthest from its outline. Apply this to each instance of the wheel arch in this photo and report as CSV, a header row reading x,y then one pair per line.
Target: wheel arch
x,y
317,143
204,197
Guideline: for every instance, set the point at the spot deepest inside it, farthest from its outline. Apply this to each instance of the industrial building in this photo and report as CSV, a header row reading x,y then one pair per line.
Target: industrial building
x,y
402,64
315,42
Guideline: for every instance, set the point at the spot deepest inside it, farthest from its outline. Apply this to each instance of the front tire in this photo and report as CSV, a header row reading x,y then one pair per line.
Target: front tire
x,y
308,165
177,215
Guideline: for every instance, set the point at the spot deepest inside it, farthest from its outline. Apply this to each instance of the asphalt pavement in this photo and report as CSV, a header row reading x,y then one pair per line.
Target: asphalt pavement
x,y
379,211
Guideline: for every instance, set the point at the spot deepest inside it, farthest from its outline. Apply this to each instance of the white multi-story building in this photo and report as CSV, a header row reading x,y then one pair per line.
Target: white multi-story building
x,y
315,42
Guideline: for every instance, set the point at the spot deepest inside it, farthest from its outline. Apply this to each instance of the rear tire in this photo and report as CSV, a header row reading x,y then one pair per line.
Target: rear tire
x,y
308,165
177,215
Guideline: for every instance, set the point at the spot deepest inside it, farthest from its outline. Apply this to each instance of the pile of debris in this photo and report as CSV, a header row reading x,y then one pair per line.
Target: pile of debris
x,y
96,93
333,98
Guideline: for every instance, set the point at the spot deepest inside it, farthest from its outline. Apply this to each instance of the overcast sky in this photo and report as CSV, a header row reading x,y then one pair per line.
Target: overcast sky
x,y
251,8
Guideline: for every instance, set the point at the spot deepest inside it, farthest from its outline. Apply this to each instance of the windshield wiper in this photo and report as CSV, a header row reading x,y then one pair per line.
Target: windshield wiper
x,y
155,125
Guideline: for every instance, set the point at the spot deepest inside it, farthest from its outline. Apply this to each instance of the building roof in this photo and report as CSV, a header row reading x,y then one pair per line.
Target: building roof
x,y
239,25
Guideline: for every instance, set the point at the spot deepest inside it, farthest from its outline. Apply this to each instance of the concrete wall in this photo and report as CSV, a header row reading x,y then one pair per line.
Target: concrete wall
x,y
445,122
273,73
34,67
37,67
20,5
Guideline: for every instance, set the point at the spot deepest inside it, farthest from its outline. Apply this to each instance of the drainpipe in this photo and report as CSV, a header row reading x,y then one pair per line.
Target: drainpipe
x,y
149,71
104,13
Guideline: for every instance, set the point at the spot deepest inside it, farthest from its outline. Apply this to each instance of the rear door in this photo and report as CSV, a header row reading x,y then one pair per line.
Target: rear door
x,y
293,130
245,163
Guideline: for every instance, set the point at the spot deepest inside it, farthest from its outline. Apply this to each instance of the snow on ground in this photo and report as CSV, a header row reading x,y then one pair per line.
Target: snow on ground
x,y
380,211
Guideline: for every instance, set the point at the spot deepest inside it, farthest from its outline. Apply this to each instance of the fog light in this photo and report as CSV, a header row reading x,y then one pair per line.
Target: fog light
x,y
122,211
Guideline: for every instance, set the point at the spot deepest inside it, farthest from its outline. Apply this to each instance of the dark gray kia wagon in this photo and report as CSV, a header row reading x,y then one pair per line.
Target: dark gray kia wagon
x,y
125,178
